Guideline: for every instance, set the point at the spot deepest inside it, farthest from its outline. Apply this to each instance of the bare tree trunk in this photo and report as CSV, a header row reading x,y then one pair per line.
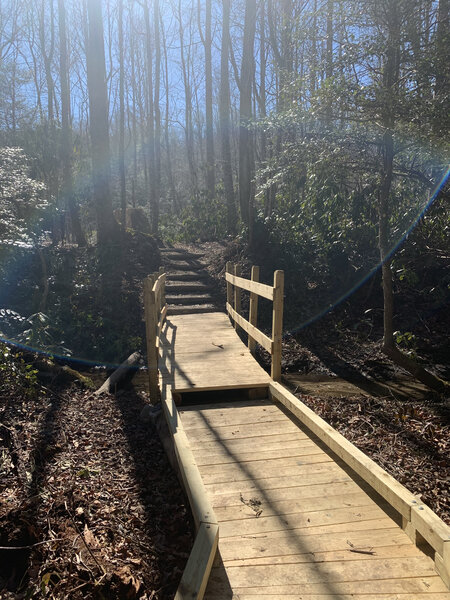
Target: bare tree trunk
x,y
47,47
329,60
207,44
134,110
123,191
224,120
262,99
189,134
155,220
66,136
442,70
246,154
48,56
150,117
313,72
98,117
173,191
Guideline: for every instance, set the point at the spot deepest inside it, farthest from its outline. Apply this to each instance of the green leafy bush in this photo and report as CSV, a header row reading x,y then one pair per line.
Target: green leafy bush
x,y
15,373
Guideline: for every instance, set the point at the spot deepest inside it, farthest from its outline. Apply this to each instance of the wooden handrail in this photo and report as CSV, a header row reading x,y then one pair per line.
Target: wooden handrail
x,y
236,283
266,291
155,309
253,332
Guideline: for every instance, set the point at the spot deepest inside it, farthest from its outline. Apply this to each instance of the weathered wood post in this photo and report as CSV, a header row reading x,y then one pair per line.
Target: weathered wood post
x,y
277,324
150,328
237,294
229,269
253,311
163,289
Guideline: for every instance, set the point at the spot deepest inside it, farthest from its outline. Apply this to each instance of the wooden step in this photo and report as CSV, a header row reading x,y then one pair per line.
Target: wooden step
x,y
176,257
178,252
182,266
189,299
185,275
186,310
181,287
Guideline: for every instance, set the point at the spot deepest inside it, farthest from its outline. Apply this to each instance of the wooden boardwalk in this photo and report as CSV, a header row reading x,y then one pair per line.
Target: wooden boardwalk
x,y
294,522
201,352
284,506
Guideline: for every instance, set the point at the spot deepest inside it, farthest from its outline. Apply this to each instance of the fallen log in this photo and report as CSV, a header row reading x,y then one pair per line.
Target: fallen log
x,y
120,373
50,372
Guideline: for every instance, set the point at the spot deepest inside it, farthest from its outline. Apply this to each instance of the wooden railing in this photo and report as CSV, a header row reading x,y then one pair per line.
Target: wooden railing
x,y
235,285
155,308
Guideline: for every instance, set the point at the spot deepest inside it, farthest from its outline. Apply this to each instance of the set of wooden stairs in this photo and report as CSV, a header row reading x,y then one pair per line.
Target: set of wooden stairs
x,y
188,288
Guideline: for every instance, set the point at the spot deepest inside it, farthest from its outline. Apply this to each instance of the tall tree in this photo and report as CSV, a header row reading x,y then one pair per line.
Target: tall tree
x,y
329,59
123,191
246,153
98,118
168,161
207,44
66,133
224,119
150,145
188,125
442,69
157,172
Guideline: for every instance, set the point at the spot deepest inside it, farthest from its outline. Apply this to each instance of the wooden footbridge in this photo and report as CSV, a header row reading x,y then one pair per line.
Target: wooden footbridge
x,y
284,506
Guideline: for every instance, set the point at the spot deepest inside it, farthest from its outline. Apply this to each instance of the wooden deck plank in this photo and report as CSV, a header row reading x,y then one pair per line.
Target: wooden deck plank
x,y
219,584
234,432
254,471
283,522
330,573
233,420
244,455
329,476
392,551
262,596
304,506
369,526
295,493
266,442
288,541
238,416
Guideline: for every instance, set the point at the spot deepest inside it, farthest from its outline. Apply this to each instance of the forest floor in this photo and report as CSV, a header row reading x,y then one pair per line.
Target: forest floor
x,y
90,507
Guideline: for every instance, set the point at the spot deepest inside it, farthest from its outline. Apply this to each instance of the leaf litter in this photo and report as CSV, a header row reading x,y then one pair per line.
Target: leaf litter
x,y
88,500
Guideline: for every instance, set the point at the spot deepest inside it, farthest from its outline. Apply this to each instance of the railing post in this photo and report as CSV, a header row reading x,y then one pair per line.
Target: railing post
x,y
277,324
253,311
163,289
237,294
229,269
150,328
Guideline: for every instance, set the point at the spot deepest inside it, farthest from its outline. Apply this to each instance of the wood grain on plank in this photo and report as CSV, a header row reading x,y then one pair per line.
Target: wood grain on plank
x,y
283,522
303,506
249,455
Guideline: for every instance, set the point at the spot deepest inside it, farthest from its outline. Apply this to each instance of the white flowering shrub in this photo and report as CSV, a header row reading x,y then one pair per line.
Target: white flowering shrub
x,y
22,199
